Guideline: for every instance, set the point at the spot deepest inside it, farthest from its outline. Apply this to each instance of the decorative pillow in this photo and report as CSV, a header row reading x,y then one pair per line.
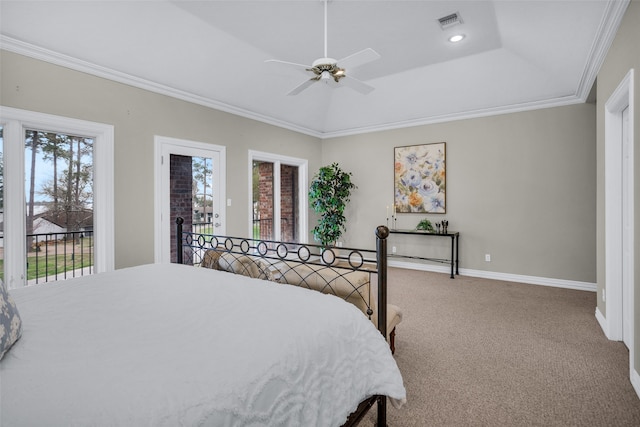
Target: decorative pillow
x,y
10,322
251,266
210,259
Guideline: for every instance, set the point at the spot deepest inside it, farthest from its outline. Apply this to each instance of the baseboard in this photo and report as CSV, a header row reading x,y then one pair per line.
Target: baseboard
x,y
635,381
602,321
532,280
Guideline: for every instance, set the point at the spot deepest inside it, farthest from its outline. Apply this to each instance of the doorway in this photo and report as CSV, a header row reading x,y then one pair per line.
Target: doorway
x,y
618,294
190,183
278,197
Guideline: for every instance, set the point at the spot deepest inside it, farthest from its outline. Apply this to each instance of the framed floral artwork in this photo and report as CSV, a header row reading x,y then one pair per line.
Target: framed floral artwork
x,y
419,178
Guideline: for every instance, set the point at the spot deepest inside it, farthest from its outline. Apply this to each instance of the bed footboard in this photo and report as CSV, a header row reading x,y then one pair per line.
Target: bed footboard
x,y
357,275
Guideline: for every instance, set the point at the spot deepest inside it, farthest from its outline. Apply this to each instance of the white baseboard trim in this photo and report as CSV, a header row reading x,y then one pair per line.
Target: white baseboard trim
x,y
634,377
532,280
635,381
602,321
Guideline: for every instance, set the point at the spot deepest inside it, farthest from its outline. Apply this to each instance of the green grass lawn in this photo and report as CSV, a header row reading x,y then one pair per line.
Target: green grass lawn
x,y
41,264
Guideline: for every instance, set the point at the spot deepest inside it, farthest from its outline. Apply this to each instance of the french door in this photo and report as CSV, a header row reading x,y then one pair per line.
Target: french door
x,y
190,183
279,199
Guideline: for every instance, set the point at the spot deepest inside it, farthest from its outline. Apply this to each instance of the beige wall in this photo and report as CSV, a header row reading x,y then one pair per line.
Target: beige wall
x,y
623,55
137,116
520,187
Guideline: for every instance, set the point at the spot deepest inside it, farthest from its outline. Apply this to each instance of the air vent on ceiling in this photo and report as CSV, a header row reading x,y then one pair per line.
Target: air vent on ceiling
x,y
450,20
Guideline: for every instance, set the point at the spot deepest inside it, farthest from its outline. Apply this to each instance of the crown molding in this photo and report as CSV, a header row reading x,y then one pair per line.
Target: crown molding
x,y
472,114
16,46
607,31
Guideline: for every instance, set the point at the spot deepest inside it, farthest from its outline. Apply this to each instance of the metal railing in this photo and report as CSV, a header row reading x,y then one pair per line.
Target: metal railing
x,y
263,228
59,256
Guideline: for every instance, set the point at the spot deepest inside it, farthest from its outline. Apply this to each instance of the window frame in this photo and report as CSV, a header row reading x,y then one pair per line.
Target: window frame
x,y
15,122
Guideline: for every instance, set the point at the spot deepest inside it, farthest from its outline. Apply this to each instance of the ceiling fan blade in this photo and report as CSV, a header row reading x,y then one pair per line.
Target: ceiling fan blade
x,y
358,59
293,64
357,85
296,90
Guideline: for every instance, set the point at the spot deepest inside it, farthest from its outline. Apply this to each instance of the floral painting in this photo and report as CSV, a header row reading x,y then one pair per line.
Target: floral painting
x,y
419,178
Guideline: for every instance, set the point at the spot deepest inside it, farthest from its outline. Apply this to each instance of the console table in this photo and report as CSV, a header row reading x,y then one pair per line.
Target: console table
x,y
454,236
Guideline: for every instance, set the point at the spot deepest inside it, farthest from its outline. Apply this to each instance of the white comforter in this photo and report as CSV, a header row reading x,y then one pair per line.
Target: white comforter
x,y
173,345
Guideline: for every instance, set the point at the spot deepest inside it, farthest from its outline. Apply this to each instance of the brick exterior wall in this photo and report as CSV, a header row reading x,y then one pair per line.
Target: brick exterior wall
x,y
288,201
180,202
265,203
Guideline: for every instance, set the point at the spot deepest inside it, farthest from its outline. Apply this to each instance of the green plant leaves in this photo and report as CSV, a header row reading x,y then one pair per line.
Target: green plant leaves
x,y
329,194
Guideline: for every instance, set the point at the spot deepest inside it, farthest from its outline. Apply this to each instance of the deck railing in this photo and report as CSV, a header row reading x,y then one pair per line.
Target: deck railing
x,y
59,256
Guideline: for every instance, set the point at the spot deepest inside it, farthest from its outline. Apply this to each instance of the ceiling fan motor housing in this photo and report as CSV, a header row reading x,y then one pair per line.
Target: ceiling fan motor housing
x,y
324,62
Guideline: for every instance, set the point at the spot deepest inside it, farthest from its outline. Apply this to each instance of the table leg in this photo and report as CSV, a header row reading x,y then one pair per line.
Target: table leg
x,y
457,253
452,258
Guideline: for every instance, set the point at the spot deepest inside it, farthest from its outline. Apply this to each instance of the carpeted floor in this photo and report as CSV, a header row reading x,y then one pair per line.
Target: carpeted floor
x,y
478,352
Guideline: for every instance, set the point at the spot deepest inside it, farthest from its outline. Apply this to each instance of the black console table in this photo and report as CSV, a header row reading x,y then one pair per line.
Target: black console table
x,y
454,236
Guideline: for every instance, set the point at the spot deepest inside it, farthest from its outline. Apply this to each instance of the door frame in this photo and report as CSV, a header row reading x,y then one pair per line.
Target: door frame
x,y
303,168
622,98
163,147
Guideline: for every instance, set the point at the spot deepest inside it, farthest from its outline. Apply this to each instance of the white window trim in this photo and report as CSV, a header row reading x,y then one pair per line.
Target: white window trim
x,y
15,123
277,160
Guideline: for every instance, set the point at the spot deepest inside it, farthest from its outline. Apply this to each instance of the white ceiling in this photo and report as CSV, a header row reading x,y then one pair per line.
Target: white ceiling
x,y
517,54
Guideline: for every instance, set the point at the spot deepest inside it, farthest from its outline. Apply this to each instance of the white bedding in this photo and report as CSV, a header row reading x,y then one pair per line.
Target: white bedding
x,y
174,345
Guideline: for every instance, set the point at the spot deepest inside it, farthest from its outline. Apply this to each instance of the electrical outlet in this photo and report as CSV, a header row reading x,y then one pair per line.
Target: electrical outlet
x,y
339,244
393,249
487,257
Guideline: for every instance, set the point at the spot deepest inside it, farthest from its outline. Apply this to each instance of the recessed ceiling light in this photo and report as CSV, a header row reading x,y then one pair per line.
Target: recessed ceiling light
x,y
456,38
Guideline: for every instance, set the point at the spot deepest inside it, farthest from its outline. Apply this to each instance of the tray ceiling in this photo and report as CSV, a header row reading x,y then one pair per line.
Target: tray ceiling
x,y
516,54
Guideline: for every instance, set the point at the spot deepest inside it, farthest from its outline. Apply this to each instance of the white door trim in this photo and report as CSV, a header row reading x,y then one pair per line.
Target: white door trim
x,y
303,167
622,98
164,146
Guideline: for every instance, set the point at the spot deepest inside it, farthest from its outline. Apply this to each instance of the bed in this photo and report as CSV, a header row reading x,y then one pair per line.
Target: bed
x,y
175,345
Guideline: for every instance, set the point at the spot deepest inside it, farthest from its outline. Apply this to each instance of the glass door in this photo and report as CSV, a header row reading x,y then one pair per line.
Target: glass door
x,y
190,185
278,198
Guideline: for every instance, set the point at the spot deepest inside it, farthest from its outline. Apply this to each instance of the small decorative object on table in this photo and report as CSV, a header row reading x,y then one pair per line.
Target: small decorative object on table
x,y
425,225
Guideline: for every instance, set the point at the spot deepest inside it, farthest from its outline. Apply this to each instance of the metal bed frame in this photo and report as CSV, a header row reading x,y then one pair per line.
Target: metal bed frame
x,y
284,257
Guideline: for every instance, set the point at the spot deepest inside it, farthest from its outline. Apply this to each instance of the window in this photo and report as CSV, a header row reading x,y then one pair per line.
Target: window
x,y
278,197
59,205
22,130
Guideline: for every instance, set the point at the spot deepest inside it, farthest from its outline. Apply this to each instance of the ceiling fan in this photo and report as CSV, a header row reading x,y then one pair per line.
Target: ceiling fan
x,y
333,72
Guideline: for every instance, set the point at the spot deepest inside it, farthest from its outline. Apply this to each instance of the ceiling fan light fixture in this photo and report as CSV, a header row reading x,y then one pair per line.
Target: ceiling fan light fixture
x,y
327,70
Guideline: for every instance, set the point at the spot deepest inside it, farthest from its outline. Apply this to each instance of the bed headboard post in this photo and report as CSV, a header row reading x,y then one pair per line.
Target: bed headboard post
x,y
382,232
179,222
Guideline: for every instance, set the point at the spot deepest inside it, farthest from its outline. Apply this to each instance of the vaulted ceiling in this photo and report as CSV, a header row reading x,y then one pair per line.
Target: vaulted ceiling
x,y
516,54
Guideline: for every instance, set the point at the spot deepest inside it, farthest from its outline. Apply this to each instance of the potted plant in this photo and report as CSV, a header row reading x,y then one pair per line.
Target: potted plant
x,y
425,225
328,195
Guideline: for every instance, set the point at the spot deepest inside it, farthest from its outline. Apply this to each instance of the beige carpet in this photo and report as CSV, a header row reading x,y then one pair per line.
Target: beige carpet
x,y
478,352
